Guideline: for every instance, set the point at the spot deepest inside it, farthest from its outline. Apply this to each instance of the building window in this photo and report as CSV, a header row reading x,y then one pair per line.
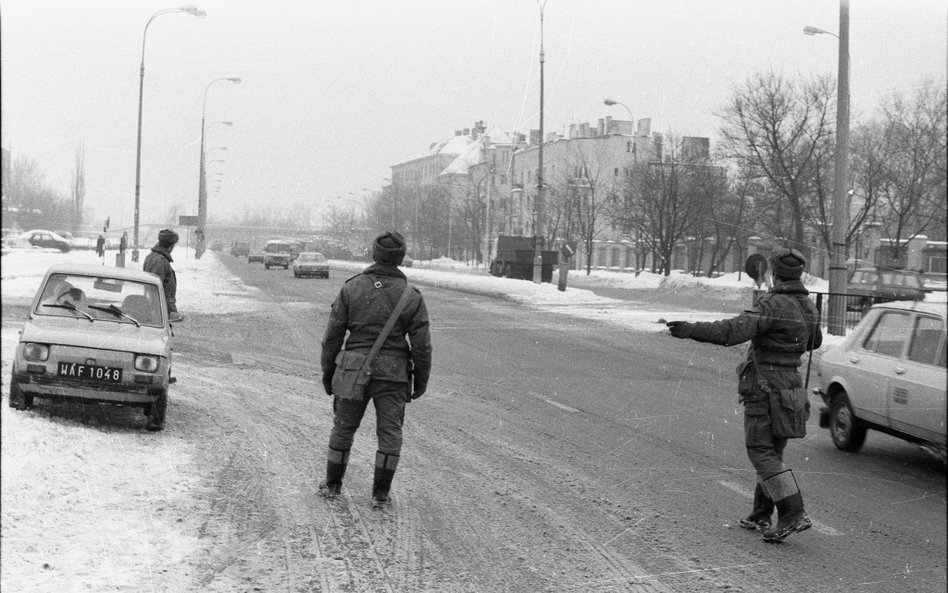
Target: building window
x,y
616,174
935,261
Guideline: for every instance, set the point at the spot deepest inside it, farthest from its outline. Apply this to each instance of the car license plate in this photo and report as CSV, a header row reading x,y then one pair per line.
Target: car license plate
x,y
88,372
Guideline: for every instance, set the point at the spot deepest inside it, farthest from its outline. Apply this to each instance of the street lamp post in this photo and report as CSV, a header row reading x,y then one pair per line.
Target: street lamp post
x,y
611,102
540,207
202,182
836,316
192,10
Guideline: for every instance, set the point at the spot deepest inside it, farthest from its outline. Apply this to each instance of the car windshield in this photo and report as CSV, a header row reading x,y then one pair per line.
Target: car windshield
x,y
900,279
100,298
313,257
278,248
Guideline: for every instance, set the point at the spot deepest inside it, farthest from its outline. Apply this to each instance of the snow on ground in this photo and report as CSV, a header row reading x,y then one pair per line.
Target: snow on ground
x,y
81,503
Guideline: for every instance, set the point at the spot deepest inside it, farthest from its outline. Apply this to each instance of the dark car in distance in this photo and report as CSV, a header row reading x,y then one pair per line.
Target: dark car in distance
x,y
868,286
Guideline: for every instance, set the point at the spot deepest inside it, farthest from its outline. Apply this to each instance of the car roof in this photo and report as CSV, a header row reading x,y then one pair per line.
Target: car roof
x,y
103,272
926,307
53,233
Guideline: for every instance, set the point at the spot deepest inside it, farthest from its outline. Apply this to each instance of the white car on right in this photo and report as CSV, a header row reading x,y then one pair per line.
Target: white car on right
x,y
888,375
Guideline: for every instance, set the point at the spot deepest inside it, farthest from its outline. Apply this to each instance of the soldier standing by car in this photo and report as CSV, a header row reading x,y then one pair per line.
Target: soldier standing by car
x,y
159,262
782,325
399,373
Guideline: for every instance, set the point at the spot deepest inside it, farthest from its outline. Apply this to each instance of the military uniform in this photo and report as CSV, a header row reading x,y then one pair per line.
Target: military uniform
x,y
399,373
781,326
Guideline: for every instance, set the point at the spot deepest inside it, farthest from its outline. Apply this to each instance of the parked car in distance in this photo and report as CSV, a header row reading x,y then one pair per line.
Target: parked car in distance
x,y
96,334
311,263
240,248
255,255
888,375
868,286
276,254
217,245
47,240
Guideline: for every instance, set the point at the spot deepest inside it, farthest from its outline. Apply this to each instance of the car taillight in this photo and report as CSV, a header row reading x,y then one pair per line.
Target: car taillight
x,y
149,364
36,352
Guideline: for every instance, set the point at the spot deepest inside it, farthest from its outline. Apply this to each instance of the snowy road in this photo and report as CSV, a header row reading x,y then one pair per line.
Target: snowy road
x,y
551,453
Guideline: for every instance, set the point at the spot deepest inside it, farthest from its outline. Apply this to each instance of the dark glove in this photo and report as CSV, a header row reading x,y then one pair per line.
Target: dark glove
x,y
416,394
327,382
679,329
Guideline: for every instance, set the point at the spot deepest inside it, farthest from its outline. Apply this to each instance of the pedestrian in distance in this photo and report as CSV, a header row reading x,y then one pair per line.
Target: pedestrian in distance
x,y
782,325
123,244
100,248
376,347
159,263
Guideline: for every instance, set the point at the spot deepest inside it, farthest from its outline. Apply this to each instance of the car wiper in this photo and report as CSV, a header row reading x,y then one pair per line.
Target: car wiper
x,y
116,311
69,305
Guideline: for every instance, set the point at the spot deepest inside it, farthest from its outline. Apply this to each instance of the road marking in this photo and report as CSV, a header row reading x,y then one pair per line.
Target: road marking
x,y
559,405
821,527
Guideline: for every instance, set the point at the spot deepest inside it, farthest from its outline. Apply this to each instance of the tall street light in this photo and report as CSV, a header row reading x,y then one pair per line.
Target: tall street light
x,y
540,207
611,102
192,10
836,317
202,184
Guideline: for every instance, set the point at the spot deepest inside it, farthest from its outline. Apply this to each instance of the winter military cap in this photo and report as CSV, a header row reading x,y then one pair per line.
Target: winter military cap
x,y
787,263
389,248
167,237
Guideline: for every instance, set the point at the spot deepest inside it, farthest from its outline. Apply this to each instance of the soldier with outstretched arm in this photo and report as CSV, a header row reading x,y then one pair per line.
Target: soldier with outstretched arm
x,y
781,326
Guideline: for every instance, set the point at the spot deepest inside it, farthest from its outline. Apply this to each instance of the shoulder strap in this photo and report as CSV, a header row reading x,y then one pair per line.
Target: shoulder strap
x,y
399,307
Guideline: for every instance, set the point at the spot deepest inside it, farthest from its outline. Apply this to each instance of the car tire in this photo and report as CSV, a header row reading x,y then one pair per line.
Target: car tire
x,y
156,417
847,432
18,399
286,267
266,266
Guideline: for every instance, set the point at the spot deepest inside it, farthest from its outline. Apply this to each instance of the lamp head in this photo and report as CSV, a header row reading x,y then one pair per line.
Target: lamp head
x,y
808,30
610,102
234,80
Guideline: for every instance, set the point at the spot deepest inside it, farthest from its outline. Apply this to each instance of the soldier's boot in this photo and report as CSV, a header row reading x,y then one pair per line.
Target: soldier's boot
x,y
763,509
336,462
791,516
385,464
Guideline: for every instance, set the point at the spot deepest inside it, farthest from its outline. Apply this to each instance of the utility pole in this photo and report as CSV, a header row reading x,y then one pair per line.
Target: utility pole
x,y
837,276
490,179
538,231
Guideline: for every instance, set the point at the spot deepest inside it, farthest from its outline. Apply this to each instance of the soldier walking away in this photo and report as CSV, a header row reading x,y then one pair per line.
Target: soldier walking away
x,y
399,373
159,262
782,325
100,248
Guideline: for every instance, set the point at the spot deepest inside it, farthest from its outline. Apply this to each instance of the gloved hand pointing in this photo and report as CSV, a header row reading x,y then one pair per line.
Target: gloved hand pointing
x,y
679,329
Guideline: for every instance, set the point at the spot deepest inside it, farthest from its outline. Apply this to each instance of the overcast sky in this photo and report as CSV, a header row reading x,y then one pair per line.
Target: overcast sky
x,y
334,93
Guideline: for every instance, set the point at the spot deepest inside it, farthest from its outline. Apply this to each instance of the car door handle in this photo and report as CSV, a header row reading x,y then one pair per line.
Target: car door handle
x,y
899,370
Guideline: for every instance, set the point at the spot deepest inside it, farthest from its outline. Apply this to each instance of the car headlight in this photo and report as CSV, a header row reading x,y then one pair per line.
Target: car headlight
x,y
36,352
149,364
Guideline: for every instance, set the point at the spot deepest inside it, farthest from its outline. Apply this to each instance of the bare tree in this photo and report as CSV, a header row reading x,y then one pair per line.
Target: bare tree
x,y
582,193
777,131
663,202
725,209
912,190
